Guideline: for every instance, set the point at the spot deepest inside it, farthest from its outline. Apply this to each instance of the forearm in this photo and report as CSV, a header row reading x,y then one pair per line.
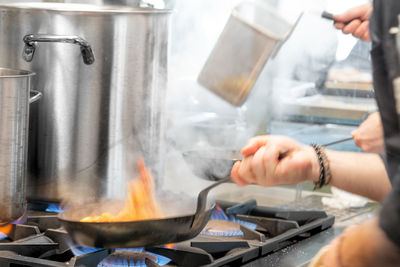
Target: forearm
x,y
359,173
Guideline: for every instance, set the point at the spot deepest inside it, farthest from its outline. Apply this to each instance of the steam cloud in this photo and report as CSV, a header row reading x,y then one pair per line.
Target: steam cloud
x,y
196,119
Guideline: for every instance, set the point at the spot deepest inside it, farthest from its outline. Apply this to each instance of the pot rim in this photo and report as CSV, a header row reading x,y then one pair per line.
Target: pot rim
x,y
82,8
15,73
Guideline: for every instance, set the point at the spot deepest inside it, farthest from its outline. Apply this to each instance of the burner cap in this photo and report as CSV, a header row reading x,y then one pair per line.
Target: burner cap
x,y
222,228
127,258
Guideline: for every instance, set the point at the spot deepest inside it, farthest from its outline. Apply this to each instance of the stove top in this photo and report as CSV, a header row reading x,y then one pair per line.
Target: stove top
x,y
236,233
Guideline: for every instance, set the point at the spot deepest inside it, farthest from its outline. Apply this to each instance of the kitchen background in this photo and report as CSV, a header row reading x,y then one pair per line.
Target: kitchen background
x,y
290,96
317,89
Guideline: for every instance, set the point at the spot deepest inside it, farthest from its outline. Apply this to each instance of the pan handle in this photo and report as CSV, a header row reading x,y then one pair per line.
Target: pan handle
x,y
202,202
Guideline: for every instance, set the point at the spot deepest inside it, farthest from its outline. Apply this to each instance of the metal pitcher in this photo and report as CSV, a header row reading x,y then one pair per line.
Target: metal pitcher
x,y
103,73
15,90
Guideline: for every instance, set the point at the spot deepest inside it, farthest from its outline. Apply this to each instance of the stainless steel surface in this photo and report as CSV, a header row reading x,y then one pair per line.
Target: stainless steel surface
x,y
94,119
14,114
120,2
252,34
396,31
299,254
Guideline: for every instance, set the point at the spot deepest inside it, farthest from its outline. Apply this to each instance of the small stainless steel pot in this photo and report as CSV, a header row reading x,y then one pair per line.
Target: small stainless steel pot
x,y
15,90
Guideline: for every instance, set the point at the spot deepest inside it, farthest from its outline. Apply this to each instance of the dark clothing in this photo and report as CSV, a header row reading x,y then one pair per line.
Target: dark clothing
x,y
386,67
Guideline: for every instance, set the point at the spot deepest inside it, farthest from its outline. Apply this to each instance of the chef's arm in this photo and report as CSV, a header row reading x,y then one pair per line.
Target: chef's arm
x,y
359,173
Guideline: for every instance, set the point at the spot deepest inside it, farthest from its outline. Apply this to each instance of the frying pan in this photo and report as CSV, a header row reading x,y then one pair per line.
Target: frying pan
x,y
216,165
143,233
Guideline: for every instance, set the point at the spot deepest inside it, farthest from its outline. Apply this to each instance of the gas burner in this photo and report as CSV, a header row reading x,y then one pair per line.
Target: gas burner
x,y
56,208
221,224
222,228
134,257
128,258
44,207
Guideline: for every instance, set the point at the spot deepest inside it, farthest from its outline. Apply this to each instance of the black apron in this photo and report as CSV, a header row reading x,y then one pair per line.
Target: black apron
x,y
386,68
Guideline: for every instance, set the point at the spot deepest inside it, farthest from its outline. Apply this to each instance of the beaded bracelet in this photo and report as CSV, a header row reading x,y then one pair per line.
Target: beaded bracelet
x,y
324,171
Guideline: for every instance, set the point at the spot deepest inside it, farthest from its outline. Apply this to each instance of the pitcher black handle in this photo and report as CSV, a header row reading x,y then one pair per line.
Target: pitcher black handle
x,y
31,40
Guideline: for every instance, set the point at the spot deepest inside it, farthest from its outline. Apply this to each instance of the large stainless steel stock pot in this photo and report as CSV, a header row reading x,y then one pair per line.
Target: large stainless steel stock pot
x,y
15,90
103,74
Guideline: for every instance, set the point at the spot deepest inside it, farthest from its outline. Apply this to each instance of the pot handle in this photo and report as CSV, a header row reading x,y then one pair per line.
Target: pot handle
x,y
36,96
31,40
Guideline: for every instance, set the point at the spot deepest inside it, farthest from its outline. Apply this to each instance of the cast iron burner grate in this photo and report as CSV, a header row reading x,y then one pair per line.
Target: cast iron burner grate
x,y
275,229
41,241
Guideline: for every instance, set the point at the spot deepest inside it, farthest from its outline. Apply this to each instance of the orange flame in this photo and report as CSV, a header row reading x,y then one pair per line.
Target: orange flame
x,y
6,229
140,203
218,207
171,246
